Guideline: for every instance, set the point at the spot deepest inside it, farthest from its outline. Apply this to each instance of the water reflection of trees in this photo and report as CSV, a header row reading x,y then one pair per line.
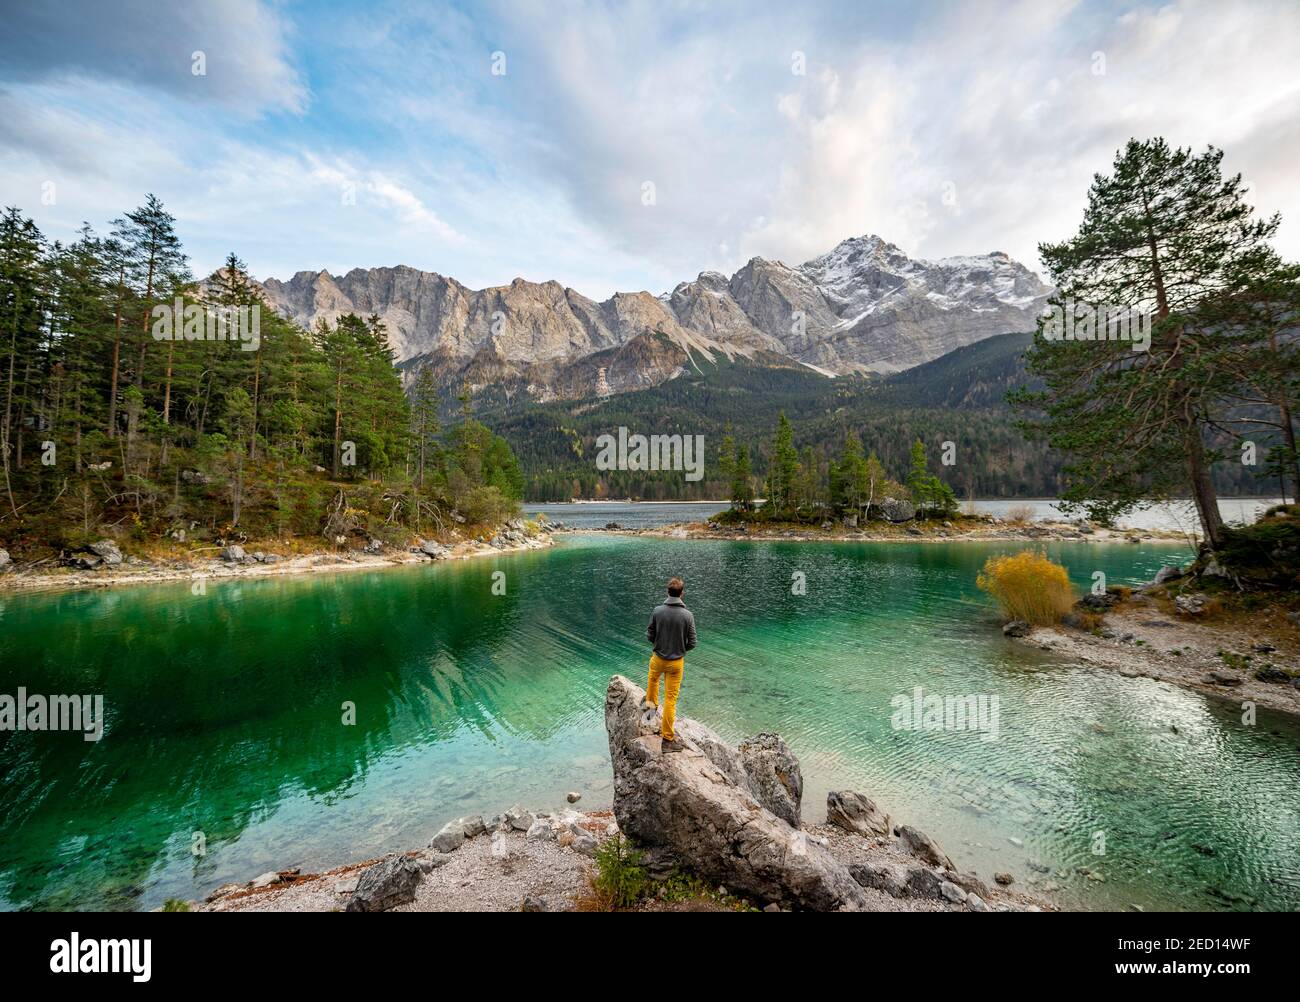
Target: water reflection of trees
x,y
221,706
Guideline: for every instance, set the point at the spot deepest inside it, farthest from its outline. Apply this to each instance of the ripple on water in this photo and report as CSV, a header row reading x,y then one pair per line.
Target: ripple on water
x,y
225,717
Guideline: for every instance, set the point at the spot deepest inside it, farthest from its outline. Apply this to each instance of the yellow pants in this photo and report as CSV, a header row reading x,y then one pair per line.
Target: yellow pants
x,y
672,676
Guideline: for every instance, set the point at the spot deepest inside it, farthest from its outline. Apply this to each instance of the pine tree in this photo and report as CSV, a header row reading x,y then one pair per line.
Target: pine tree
x,y
742,489
918,477
783,469
156,263
727,457
424,418
22,294
1164,233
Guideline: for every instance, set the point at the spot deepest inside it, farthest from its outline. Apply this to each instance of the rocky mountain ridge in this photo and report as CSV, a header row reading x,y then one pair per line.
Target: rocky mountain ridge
x,y
863,307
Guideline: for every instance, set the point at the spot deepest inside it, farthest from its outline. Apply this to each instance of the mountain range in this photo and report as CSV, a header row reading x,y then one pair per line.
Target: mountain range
x,y
864,307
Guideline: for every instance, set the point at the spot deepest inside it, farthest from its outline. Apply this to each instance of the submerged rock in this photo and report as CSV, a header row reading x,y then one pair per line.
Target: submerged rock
x,y
690,807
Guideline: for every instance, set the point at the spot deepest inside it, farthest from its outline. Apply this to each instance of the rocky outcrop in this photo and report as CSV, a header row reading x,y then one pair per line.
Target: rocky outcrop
x,y
433,549
856,813
107,551
95,556
773,774
924,848
703,813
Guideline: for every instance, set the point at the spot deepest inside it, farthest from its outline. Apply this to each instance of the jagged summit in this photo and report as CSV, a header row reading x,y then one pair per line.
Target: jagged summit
x,y
864,306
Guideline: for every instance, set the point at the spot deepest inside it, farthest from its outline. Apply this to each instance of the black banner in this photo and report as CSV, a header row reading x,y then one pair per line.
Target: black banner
x,y
337,951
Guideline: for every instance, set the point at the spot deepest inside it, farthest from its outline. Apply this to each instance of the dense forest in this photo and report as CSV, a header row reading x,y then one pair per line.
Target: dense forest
x,y
139,400
960,397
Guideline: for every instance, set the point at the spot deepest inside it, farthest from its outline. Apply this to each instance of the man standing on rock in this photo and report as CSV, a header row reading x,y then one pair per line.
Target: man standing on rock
x,y
672,632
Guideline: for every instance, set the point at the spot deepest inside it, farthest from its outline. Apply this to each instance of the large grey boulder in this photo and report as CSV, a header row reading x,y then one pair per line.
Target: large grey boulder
x,y
856,813
107,551
387,884
774,775
449,838
685,805
1169,572
233,554
896,510
433,550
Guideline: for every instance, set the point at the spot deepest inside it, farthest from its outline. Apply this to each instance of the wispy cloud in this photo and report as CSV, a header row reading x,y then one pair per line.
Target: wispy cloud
x,y
945,127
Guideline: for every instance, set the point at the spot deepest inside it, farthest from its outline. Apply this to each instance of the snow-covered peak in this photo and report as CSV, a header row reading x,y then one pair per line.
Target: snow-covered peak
x,y
862,274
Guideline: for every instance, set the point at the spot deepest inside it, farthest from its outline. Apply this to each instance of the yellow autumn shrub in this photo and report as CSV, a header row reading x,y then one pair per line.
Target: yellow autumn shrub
x,y
1029,586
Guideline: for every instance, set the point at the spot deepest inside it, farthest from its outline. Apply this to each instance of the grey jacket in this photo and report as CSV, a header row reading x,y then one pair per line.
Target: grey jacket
x,y
671,629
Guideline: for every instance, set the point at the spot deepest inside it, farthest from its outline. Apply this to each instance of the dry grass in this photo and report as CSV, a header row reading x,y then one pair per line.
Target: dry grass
x,y
1089,621
1028,586
593,898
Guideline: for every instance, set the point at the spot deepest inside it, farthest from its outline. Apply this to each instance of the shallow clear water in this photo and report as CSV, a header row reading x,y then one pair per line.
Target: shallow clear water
x,y
225,717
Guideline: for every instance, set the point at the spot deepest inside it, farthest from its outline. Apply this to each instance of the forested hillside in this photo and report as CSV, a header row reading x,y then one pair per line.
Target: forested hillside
x,y
960,397
137,401
956,398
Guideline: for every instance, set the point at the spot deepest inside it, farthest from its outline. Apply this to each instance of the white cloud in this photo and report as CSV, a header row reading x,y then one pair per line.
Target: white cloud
x,y
240,46
539,173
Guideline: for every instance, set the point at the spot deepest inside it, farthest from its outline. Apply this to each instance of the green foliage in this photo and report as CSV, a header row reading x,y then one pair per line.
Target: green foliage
x,y
783,468
619,880
1266,553
266,436
930,494
1167,234
682,887
175,905
742,480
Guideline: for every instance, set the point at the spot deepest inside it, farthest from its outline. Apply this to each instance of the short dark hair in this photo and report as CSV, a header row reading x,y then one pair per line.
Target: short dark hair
x,y
675,587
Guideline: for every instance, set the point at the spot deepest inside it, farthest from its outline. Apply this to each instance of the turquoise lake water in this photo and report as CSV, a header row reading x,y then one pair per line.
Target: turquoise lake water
x,y
225,717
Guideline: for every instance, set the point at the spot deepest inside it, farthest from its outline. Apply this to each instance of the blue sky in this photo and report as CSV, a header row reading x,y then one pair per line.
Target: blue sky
x,y
947,128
